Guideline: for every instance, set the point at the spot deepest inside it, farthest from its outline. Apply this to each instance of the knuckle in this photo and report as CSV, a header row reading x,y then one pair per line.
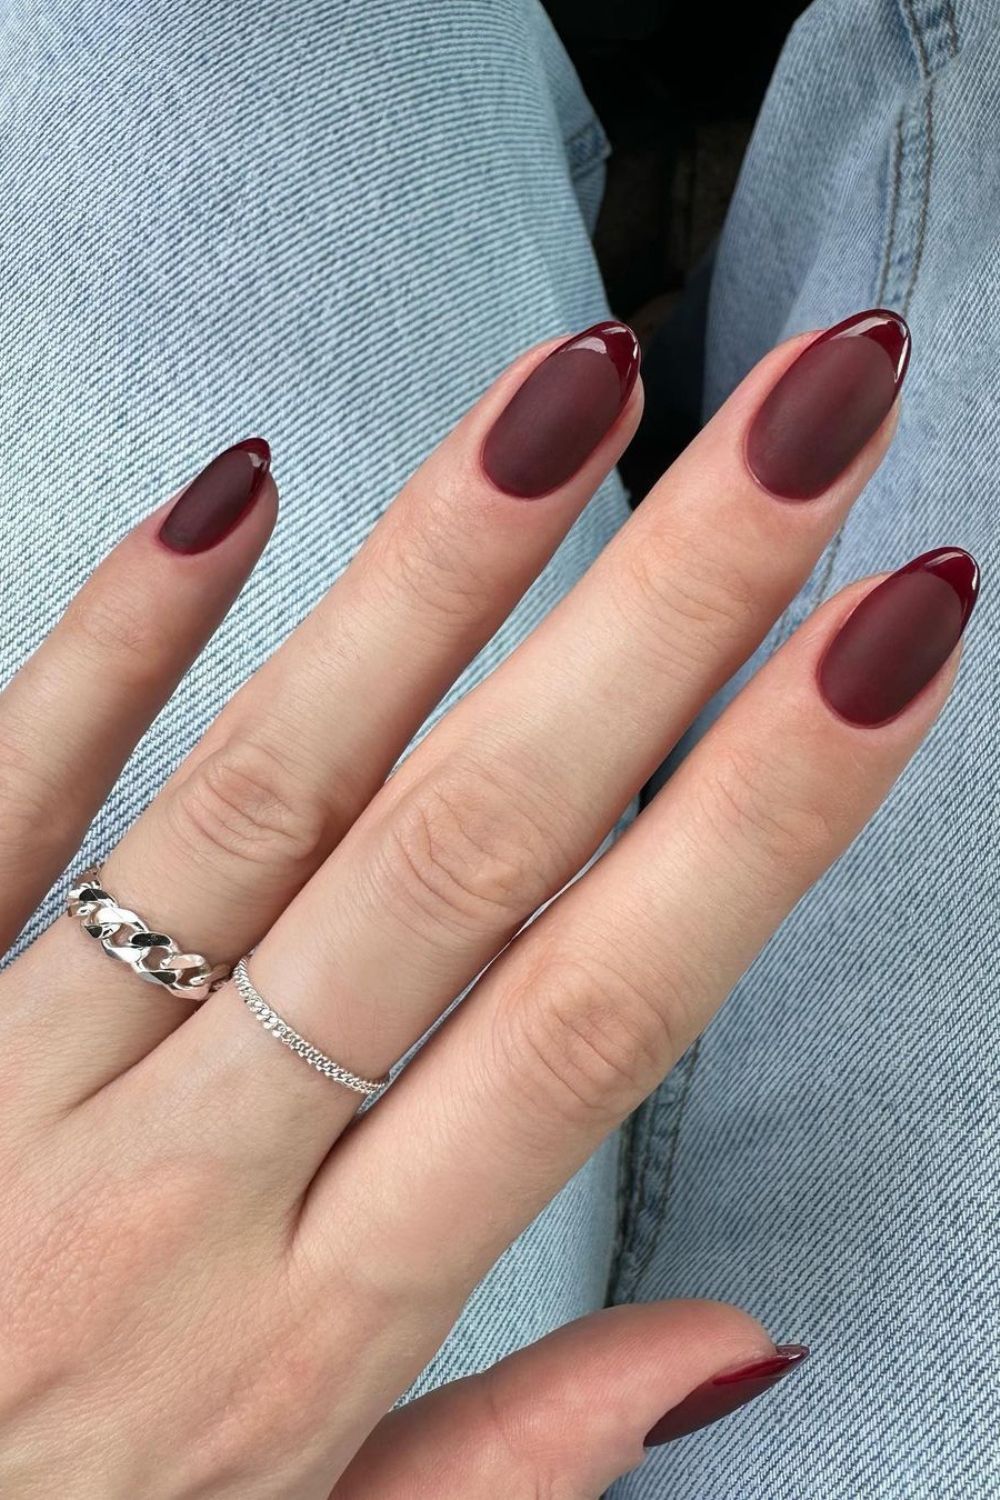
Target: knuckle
x,y
247,803
589,1038
705,606
422,565
116,631
34,813
466,851
775,821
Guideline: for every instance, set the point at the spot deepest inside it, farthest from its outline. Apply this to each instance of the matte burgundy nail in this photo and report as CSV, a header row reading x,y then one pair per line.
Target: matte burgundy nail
x,y
217,498
555,420
899,636
828,403
724,1393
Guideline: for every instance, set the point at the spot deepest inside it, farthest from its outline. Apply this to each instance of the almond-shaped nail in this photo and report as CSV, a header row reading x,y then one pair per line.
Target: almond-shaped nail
x,y
725,1393
899,637
218,498
560,413
826,406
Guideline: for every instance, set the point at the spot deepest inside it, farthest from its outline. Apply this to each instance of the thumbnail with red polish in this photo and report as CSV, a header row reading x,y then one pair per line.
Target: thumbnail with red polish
x,y
217,498
724,1393
827,405
556,419
899,637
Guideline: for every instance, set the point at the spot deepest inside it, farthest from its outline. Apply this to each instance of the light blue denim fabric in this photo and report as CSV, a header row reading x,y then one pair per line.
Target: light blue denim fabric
x,y
826,1156
333,225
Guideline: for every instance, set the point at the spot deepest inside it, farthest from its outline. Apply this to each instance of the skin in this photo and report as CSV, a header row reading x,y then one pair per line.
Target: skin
x,y
212,1287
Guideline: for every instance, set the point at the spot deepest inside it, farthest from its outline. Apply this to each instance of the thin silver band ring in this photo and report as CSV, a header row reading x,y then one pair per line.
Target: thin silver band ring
x,y
272,1022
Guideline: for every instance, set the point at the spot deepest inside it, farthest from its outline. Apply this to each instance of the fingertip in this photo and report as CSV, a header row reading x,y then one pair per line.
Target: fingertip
x,y
219,498
562,412
897,637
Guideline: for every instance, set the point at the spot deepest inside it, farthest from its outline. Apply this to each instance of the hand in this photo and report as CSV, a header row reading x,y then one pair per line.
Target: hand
x,y
215,1281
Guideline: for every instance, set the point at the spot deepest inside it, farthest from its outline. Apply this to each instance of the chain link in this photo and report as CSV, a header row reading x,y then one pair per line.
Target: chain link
x,y
272,1022
150,954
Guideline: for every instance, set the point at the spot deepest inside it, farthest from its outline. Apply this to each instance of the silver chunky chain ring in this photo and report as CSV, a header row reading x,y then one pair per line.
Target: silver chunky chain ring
x,y
149,953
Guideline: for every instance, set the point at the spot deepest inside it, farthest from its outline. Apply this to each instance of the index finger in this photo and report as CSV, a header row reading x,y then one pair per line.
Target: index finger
x,y
74,712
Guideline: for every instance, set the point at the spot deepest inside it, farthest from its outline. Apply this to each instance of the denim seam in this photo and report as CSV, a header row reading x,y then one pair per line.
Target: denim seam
x,y
630,1156
890,238
638,1249
586,148
624,1192
918,249
635,1252
934,32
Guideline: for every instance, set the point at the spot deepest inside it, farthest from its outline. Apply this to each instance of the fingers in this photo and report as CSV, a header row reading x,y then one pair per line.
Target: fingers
x,y
574,1412
73,713
302,747
510,795
596,1000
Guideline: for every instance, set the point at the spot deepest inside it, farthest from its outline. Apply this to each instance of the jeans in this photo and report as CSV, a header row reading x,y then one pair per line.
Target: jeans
x,y
825,1155
334,225
330,224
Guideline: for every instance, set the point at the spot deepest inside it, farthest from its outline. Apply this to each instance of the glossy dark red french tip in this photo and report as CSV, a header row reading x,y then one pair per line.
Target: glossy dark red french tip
x,y
899,637
725,1393
560,413
830,401
218,498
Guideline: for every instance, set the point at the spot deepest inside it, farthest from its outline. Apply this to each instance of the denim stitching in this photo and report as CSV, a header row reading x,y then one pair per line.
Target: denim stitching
x,y
890,238
918,37
633,1154
636,1256
586,148
918,251
934,31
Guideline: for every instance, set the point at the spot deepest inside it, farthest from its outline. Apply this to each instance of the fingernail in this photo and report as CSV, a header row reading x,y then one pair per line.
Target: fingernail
x,y
828,404
724,1393
556,419
217,498
899,636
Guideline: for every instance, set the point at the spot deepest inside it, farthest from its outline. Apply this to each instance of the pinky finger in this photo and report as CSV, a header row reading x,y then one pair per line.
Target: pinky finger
x,y
71,716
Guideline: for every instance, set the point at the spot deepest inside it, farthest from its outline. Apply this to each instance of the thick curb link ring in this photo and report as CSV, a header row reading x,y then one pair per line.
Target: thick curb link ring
x,y
150,954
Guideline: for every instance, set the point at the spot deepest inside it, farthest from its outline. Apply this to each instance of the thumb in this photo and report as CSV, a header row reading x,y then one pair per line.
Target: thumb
x,y
574,1412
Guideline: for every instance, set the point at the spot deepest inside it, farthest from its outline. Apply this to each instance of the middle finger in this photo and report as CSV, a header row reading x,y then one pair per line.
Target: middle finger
x,y
512,793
